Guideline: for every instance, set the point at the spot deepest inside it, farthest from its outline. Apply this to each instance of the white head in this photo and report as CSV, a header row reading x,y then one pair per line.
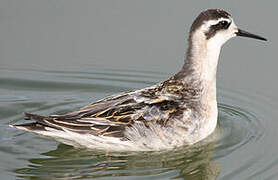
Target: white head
x,y
215,27
209,31
218,31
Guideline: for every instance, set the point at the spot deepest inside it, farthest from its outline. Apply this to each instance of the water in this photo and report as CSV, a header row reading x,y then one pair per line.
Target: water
x,y
58,56
240,131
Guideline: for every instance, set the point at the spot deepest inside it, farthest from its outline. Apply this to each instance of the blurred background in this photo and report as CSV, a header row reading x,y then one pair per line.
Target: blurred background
x,y
126,34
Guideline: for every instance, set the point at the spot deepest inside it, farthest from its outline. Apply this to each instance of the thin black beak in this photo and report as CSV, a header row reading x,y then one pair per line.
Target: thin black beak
x,y
247,34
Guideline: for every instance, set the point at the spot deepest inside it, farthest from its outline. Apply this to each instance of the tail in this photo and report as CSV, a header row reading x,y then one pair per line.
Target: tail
x,y
33,117
34,127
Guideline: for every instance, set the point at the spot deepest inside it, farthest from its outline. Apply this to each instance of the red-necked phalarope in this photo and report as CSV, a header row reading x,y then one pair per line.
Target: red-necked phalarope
x,y
179,111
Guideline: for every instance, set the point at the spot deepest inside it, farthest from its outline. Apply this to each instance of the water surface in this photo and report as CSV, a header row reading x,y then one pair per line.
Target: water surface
x,y
57,56
239,133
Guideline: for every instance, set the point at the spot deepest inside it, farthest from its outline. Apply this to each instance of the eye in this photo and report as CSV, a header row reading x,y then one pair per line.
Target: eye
x,y
224,24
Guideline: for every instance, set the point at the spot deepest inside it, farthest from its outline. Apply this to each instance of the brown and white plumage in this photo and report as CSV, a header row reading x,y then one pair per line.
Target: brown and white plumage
x,y
179,111
118,116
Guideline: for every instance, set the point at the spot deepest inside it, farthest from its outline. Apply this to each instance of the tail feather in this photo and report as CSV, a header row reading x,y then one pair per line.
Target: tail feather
x,y
38,125
33,117
32,127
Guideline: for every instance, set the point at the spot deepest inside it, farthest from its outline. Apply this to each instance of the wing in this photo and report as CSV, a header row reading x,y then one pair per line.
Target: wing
x,y
112,115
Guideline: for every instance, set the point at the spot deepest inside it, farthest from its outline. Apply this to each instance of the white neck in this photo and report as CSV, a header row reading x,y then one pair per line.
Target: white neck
x,y
202,57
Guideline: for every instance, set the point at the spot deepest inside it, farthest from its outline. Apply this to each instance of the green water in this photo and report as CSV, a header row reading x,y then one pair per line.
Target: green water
x,y
57,56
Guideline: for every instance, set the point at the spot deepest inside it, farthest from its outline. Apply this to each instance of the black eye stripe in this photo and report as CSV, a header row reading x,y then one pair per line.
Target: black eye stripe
x,y
217,27
223,24
229,24
220,25
226,24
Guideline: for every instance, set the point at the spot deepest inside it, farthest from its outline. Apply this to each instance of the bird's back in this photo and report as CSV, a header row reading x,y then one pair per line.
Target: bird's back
x,y
151,118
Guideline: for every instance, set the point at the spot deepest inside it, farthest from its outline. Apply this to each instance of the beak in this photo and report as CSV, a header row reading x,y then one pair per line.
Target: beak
x,y
247,34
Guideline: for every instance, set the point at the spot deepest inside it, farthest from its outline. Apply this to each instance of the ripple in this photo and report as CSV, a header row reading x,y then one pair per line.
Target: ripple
x,y
238,127
235,149
246,121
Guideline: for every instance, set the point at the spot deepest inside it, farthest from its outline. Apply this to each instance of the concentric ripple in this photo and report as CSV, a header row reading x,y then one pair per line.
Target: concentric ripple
x,y
236,128
234,151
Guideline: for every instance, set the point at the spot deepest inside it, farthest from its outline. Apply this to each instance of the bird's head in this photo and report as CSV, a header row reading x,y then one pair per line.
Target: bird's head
x,y
216,26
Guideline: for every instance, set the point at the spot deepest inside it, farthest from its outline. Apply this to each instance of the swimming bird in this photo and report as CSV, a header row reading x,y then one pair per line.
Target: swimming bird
x,y
179,111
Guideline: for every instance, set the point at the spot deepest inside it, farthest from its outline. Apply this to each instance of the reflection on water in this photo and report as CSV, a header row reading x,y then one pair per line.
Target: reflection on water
x,y
65,161
239,129
235,129
51,62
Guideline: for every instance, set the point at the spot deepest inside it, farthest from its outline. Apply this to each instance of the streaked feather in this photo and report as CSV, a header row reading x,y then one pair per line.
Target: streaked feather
x,y
113,115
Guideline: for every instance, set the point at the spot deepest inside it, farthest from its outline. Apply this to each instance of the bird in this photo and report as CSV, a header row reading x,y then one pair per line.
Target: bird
x,y
180,111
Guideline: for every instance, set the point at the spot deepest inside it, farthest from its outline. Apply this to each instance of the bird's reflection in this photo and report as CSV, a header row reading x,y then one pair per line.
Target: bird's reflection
x,y
236,128
68,162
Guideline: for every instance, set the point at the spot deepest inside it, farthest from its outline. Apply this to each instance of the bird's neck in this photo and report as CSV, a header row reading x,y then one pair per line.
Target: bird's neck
x,y
202,59
200,66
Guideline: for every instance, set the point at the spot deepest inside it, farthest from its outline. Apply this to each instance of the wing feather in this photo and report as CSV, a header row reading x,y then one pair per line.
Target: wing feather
x,y
112,115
